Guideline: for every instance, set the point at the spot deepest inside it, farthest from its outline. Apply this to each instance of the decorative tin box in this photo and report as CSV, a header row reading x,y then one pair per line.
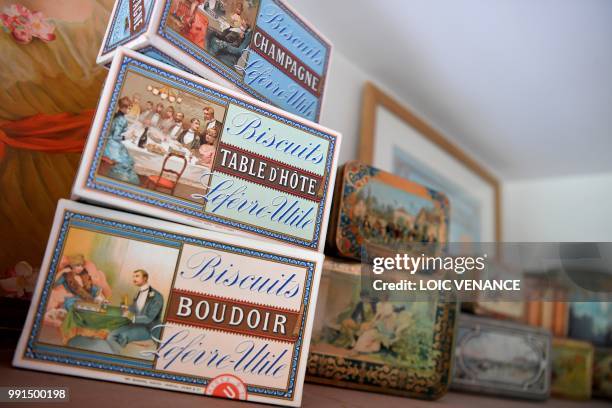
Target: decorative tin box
x,y
226,162
377,344
572,369
602,373
501,358
135,300
378,208
260,47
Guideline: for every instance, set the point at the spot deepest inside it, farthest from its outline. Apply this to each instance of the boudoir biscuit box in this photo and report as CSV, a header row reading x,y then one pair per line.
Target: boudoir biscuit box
x,y
140,301
501,358
377,208
602,373
371,341
572,369
202,155
260,47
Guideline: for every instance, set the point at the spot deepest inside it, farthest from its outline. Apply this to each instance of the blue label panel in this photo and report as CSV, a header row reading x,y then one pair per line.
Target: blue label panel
x,y
127,14
292,34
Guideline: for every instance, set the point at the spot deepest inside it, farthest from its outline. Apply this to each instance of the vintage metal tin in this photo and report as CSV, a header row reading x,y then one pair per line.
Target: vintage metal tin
x,y
264,173
376,343
262,48
140,301
361,214
572,369
501,358
602,373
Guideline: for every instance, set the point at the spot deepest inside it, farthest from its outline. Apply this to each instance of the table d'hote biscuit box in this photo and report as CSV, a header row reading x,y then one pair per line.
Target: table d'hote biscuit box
x,y
262,48
206,156
502,358
140,301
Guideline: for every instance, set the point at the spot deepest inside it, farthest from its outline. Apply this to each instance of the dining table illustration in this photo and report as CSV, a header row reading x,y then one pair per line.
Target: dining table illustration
x,y
149,159
92,320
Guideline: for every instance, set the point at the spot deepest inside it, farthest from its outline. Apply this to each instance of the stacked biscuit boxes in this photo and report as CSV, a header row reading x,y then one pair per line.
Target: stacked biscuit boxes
x,y
226,310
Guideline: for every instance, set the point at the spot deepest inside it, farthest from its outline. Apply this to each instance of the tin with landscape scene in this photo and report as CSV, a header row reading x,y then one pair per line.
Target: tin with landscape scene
x,y
379,210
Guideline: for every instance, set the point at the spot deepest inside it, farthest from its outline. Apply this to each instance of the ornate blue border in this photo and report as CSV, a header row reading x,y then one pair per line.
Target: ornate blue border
x,y
167,58
33,351
142,195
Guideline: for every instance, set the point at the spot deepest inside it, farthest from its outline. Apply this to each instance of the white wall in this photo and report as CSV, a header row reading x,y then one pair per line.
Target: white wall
x,y
576,208
342,104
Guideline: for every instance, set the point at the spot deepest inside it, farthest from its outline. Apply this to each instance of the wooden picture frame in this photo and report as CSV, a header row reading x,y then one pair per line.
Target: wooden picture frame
x,y
374,97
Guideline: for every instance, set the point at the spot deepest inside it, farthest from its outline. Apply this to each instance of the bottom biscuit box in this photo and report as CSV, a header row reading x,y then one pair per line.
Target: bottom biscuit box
x,y
135,300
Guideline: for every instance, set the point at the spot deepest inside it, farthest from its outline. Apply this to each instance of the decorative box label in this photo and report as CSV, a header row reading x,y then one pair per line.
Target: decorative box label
x,y
260,47
199,154
126,298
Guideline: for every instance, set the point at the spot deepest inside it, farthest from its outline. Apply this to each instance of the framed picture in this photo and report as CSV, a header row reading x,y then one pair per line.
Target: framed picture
x,y
396,140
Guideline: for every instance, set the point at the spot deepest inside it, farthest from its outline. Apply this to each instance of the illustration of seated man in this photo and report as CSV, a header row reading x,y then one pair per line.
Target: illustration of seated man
x,y
77,279
229,45
145,315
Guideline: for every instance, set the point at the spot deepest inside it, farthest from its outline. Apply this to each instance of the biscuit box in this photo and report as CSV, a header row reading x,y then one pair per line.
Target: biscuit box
x,y
501,358
377,343
361,215
140,301
206,156
572,369
260,47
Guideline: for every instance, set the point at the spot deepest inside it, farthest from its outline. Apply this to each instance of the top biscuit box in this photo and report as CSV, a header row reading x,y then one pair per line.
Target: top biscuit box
x,y
262,48
171,145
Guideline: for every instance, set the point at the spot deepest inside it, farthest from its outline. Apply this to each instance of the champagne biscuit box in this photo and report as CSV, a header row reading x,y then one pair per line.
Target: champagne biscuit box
x,y
140,301
260,47
169,144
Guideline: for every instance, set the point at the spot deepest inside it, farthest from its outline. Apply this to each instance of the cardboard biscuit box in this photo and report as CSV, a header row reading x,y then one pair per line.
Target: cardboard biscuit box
x,y
140,301
171,145
260,47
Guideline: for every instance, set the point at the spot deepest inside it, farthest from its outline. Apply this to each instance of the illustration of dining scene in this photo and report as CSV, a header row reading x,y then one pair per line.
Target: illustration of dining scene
x,y
108,294
364,326
161,139
223,28
390,216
